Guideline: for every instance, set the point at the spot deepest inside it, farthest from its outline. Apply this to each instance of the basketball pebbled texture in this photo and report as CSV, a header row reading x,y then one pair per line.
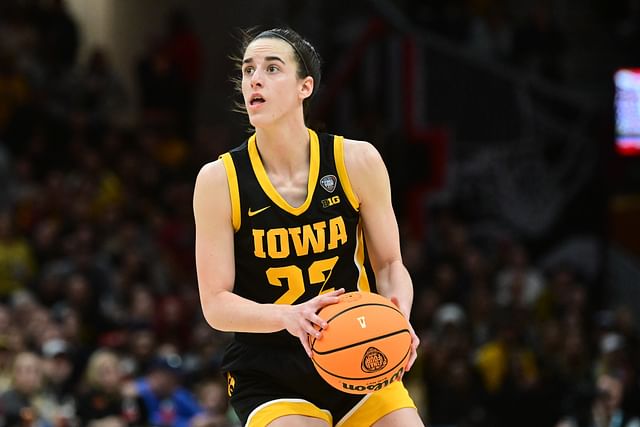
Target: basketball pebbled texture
x,y
365,346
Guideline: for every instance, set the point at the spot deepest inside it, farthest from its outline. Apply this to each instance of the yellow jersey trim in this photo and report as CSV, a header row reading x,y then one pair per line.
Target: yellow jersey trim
x,y
267,412
267,186
338,153
376,405
363,280
234,190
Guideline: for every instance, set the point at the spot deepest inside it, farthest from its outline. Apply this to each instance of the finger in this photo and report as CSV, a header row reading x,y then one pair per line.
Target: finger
x,y
335,293
415,342
317,320
412,359
396,302
310,330
304,339
326,299
330,297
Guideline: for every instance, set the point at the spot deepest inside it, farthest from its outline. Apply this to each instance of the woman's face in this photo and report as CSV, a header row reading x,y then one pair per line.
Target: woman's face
x,y
27,373
270,84
109,373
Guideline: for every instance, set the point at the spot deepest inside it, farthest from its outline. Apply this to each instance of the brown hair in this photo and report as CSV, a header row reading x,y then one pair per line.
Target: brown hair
x,y
307,59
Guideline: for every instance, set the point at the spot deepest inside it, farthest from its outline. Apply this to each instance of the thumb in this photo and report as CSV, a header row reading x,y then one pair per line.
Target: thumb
x,y
395,301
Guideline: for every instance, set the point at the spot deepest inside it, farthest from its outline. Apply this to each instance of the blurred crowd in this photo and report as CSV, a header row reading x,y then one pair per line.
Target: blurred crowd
x,y
100,323
505,342
99,314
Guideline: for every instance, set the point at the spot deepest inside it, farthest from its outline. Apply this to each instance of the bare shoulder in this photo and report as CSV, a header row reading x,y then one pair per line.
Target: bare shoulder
x,y
366,169
361,159
359,151
211,192
212,173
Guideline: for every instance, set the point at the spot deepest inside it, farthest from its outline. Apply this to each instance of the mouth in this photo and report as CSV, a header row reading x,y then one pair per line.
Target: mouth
x,y
256,100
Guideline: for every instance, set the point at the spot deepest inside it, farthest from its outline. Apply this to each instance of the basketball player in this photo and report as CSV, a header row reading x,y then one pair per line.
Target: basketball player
x,y
280,228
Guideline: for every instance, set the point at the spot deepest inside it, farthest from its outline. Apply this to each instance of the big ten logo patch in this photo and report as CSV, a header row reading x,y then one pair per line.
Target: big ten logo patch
x,y
330,201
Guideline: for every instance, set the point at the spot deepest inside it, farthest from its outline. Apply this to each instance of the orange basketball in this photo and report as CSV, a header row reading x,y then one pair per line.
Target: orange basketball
x,y
365,346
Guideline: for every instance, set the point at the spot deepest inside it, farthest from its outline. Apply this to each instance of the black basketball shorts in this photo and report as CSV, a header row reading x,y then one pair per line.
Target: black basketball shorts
x,y
267,383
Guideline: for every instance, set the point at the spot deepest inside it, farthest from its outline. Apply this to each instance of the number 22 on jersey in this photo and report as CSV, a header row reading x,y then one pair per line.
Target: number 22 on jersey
x,y
318,273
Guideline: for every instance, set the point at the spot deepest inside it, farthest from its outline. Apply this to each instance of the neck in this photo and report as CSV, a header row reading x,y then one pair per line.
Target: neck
x,y
284,148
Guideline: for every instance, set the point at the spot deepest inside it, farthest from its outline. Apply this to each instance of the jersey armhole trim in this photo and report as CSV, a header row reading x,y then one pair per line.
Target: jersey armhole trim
x,y
234,190
338,153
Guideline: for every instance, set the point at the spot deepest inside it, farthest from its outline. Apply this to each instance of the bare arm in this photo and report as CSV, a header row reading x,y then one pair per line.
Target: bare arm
x,y
370,183
215,266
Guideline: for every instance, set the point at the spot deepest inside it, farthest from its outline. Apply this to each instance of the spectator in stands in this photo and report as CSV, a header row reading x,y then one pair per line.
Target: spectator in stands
x,y
16,259
14,89
497,359
140,349
172,323
6,358
58,400
20,405
100,97
212,395
167,401
6,178
613,358
162,89
519,284
100,399
82,296
454,388
447,281
606,406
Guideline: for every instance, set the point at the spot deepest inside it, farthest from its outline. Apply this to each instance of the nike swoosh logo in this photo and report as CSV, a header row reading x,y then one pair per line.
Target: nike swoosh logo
x,y
252,213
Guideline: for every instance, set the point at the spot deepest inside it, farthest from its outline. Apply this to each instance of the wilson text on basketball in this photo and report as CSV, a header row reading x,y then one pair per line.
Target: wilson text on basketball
x,y
377,385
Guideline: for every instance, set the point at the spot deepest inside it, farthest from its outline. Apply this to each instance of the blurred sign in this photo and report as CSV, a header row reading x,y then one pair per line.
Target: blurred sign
x,y
627,111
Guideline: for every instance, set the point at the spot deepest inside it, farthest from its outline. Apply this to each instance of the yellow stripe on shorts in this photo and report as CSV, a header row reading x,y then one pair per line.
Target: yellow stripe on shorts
x,y
269,411
377,405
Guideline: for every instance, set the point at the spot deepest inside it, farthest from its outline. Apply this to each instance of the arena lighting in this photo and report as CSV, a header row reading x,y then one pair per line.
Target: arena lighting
x,y
627,111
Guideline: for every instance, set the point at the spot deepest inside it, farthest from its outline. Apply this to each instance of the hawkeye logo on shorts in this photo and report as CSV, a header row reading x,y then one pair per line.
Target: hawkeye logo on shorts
x,y
330,201
373,360
231,384
328,182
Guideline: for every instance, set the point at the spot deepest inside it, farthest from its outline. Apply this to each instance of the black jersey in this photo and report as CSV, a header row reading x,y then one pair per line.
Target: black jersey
x,y
286,254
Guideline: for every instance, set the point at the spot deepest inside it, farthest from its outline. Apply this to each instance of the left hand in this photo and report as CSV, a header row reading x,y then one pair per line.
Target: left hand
x,y
415,341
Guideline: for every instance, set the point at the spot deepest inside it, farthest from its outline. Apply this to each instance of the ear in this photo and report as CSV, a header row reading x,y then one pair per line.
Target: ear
x,y
306,87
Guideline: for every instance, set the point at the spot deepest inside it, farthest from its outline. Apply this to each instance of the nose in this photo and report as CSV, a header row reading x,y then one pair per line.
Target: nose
x,y
256,79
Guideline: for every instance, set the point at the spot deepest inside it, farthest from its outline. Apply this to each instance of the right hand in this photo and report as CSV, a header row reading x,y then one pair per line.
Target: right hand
x,y
299,319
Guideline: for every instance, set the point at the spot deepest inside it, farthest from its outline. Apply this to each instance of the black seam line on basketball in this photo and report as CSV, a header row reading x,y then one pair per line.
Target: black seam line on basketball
x,y
353,308
363,305
365,378
379,337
